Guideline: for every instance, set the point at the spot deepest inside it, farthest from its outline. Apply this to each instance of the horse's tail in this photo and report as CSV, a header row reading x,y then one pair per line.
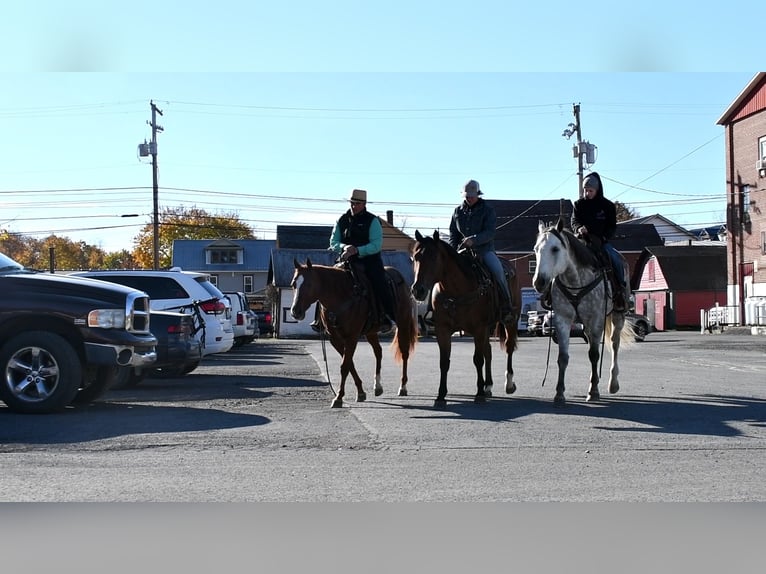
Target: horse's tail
x,y
627,334
406,324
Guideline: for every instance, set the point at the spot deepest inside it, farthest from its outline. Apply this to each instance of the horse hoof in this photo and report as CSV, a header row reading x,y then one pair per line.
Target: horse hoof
x,y
361,397
510,389
336,404
559,401
488,392
378,391
440,403
614,387
402,392
480,399
593,398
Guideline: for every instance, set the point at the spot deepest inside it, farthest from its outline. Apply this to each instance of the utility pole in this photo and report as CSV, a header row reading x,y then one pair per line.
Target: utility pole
x,y
580,148
155,190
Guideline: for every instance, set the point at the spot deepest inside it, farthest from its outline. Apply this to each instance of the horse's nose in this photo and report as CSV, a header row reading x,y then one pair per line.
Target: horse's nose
x,y
418,292
296,314
539,283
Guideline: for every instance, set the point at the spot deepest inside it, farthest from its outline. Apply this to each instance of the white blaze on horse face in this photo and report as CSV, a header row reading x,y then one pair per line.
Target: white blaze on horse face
x,y
296,291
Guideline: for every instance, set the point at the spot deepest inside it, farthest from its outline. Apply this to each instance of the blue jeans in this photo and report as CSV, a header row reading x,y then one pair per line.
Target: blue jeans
x,y
614,257
492,261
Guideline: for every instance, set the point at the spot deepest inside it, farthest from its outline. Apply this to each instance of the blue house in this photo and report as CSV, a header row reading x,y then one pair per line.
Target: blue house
x,y
233,264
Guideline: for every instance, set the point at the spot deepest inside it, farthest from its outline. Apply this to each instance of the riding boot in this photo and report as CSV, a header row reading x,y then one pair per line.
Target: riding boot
x,y
619,302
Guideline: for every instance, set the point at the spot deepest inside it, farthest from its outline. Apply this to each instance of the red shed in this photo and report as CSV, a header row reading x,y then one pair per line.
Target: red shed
x,y
678,281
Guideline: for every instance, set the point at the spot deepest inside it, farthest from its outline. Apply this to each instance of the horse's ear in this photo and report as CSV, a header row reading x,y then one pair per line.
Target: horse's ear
x,y
418,237
308,262
295,262
540,225
560,224
436,235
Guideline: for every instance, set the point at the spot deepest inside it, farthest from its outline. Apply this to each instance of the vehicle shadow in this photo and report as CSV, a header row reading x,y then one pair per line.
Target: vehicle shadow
x,y
100,421
704,415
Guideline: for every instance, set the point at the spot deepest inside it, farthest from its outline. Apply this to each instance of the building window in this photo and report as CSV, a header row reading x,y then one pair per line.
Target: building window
x,y
763,242
223,256
746,198
214,280
532,266
651,271
247,283
762,148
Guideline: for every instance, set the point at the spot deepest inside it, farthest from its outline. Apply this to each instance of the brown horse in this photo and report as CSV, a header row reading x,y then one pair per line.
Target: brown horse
x,y
347,313
462,300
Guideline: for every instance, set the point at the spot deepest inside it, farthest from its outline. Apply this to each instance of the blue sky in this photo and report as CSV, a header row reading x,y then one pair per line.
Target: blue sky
x,y
276,112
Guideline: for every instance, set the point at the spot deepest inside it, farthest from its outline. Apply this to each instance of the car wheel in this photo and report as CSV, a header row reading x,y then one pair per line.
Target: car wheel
x,y
96,382
127,377
640,330
41,372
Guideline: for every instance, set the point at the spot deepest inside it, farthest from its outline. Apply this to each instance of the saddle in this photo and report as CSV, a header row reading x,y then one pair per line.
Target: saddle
x,y
362,286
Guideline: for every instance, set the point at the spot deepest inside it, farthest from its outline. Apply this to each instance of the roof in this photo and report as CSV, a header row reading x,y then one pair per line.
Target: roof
x,y
282,263
517,221
304,236
690,267
190,254
740,99
631,236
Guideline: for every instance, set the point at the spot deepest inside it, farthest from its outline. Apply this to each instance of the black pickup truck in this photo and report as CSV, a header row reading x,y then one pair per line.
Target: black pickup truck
x,y
63,339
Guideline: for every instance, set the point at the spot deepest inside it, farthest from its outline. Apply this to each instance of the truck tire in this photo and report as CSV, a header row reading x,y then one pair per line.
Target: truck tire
x,y
41,373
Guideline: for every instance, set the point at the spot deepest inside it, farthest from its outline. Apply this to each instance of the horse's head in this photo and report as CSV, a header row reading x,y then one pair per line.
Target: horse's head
x,y
304,289
427,264
551,255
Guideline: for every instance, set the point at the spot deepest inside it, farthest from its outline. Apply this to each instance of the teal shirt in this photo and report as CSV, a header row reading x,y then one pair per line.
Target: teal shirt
x,y
374,246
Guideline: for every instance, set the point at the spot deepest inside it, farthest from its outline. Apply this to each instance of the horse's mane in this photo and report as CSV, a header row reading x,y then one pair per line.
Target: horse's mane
x,y
581,253
463,263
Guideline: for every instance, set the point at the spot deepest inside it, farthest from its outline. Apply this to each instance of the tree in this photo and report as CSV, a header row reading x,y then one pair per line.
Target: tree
x,y
625,213
185,223
120,260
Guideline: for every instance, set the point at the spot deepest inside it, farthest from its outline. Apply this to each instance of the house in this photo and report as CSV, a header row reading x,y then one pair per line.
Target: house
x,y
744,123
668,231
677,282
233,264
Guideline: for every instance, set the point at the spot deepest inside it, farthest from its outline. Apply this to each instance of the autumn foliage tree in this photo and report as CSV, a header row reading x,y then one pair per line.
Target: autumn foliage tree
x,y
624,213
185,223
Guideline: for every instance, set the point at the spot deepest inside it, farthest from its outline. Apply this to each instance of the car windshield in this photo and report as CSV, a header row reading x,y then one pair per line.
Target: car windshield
x,y
8,264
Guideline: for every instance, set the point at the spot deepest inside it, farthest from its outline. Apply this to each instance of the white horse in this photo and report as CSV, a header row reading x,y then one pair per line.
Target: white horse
x,y
579,290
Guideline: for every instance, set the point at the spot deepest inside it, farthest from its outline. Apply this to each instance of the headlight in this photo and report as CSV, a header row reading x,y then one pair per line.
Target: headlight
x,y
107,318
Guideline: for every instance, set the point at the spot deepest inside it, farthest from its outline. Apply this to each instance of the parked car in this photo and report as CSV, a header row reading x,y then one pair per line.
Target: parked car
x,y
63,339
535,323
184,291
576,330
640,324
178,352
265,322
244,321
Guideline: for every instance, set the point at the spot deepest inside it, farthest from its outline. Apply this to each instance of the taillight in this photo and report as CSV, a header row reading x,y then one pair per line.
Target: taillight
x,y
175,329
240,318
215,306
268,317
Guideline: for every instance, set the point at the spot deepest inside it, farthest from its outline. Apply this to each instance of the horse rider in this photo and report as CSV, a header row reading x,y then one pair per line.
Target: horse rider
x,y
357,237
473,226
594,220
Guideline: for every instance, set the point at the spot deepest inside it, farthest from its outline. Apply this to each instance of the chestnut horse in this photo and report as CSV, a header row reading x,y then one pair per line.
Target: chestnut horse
x,y
347,313
463,300
580,291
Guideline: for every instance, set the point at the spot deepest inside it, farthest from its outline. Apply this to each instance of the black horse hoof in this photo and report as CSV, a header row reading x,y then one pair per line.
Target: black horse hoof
x,y
480,399
440,404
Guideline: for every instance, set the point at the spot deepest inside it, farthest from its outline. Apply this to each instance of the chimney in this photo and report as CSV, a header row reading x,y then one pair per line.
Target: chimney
x,y
390,217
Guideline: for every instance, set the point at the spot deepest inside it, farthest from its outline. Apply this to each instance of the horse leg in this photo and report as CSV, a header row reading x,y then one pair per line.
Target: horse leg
x,y
372,338
445,348
563,363
480,345
510,385
488,369
617,326
593,356
346,367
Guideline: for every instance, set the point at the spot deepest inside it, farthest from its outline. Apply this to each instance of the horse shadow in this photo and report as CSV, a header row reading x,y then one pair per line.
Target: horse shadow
x,y
699,415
